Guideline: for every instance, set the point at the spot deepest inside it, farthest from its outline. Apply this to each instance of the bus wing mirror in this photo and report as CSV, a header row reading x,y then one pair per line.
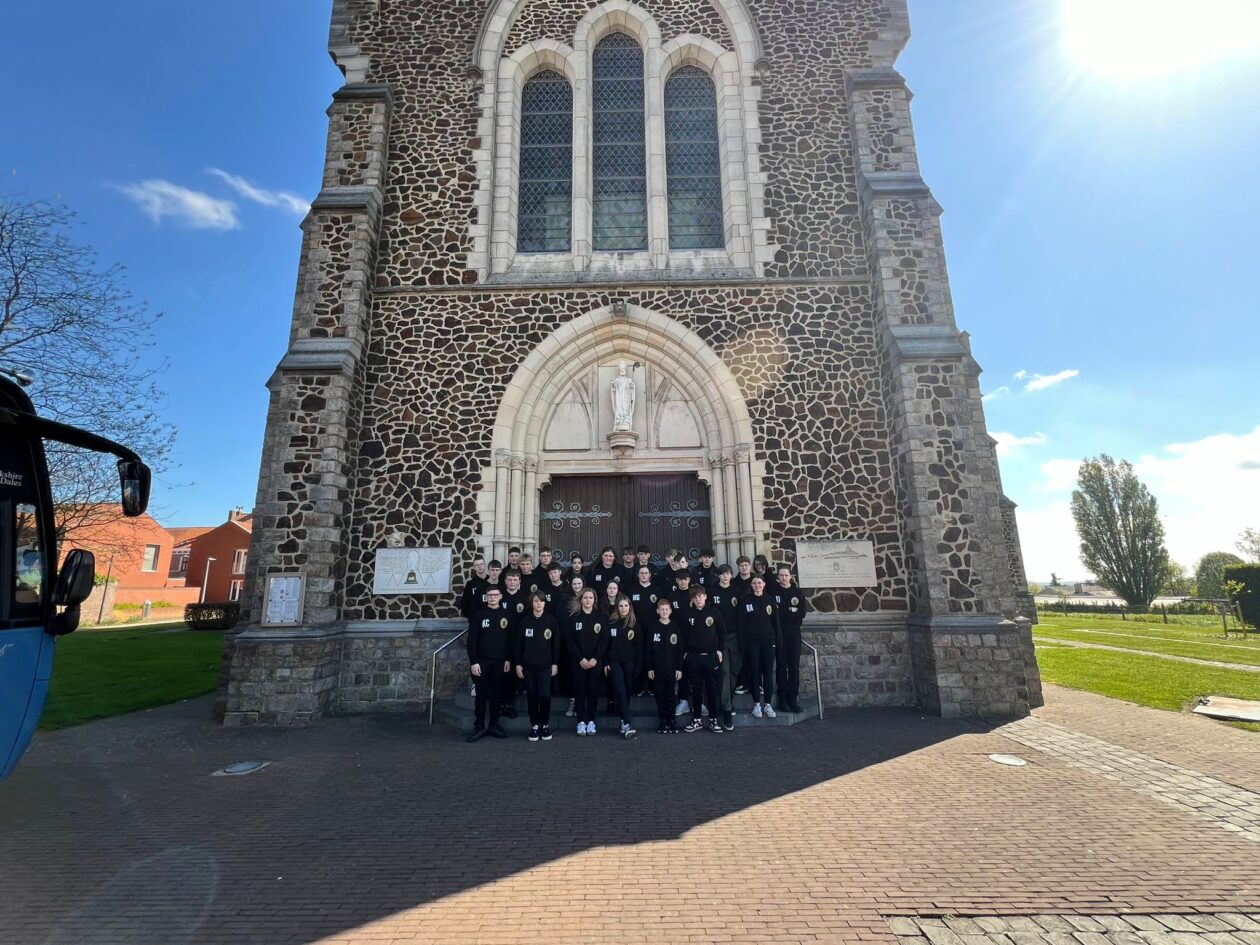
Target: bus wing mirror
x,y
75,581
136,479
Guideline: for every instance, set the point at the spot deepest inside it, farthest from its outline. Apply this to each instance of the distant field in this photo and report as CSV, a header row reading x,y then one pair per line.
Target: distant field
x,y
99,673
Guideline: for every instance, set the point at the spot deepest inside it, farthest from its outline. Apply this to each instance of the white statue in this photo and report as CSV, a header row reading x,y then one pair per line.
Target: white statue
x,y
623,395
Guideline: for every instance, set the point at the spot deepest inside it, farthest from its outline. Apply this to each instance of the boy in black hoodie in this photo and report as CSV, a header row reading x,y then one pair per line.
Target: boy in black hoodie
x,y
537,661
665,659
706,639
489,661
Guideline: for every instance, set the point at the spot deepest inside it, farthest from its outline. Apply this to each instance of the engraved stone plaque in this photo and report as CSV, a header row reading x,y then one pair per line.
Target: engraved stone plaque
x,y
836,563
412,571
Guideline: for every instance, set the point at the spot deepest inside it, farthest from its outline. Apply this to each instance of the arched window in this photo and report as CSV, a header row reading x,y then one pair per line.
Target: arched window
x,y
619,158
692,161
545,220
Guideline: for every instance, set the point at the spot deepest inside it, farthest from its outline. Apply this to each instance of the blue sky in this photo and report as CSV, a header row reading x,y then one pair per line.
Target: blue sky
x,y
1100,203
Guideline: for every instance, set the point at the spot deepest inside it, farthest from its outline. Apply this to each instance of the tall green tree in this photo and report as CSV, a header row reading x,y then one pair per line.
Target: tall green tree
x,y
1122,538
1209,573
1177,582
1248,544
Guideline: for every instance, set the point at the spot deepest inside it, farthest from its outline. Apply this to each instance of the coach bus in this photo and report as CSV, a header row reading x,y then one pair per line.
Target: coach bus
x,y
39,601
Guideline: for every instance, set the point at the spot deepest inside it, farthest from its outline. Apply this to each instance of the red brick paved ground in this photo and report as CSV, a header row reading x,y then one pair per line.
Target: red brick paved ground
x,y
376,829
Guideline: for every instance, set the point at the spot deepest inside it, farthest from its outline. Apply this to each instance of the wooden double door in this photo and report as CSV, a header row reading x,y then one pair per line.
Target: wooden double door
x,y
587,513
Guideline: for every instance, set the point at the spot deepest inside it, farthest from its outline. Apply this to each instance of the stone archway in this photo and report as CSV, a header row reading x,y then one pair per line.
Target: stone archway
x,y
721,454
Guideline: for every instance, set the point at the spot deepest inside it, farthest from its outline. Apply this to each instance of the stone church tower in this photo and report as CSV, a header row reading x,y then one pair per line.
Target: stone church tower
x,y
521,196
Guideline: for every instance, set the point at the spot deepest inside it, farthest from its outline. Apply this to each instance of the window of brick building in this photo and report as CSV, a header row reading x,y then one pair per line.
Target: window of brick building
x,y
692,160
546,167
619,159
238,561
150,560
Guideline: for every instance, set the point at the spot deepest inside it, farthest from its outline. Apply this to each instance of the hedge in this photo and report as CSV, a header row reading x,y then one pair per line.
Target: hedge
x,y
1247,597
212,616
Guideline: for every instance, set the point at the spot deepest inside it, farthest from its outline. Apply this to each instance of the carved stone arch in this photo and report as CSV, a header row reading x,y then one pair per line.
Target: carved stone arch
x,y
501,14
508,501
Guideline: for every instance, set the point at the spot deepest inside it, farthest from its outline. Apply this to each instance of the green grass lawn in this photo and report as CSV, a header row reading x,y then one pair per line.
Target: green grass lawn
x,y
99,673
1172,641
1146,680
1198,625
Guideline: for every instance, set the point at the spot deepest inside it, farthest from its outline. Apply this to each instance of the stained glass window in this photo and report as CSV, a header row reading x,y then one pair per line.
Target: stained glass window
x,y
620,154
546,177
692,161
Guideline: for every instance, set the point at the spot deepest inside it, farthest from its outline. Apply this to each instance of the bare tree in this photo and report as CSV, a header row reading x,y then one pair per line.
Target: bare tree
x,y
1248,544
77,328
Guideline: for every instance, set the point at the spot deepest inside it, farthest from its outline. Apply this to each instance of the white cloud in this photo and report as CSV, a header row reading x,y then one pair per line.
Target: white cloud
x,y
1009,443
161,198
268,198
1208,491
1038,382
994,394
1020,375
1060,475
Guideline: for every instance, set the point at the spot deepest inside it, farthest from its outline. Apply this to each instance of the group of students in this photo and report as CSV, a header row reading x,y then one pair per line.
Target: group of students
x,y
693,637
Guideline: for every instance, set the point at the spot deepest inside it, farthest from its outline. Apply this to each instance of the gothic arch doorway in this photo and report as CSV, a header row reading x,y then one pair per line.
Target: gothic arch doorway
x,y
556,419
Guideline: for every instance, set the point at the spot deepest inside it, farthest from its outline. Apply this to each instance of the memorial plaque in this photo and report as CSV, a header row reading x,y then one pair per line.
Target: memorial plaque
x,y
282,600
836,563
412,571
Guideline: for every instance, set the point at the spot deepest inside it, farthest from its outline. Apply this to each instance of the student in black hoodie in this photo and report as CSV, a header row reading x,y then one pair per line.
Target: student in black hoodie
x,y
490,646
722,596
680,600
793,606
555,591
706,639
665,660
643,597
759,625
516,603
537,656
629,568
704,574
605,570
624,644
470,601
587,641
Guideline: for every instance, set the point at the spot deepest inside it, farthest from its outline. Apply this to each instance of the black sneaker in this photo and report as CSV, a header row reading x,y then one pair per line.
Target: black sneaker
x,y
546,733
497,732
476,735
728,721
715,726
533,733
662,729
694,725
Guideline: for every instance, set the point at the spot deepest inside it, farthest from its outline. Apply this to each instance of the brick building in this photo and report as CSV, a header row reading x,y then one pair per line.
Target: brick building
x,y
133,552
213,558
524,200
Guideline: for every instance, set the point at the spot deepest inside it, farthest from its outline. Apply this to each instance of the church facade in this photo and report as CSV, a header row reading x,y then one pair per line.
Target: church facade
x,y
587,273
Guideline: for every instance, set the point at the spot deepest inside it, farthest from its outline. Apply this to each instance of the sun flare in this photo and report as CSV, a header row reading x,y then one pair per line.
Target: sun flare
x,y
1145,39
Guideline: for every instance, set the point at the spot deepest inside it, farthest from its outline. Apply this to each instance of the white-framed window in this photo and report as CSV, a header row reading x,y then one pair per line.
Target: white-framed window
x,y
664,171
238,562
179,561
150,560
234,590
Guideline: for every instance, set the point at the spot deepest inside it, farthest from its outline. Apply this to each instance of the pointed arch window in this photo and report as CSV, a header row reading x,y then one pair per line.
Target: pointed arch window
x,y
545,221
693,161
619,153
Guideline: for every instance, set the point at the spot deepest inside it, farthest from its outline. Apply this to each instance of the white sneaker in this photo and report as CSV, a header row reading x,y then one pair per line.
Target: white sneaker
x,y
590,728
624,727
682,708
581,728
768,711
756,712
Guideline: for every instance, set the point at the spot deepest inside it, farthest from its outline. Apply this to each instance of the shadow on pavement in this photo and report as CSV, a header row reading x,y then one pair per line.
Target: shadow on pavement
x,y
114,831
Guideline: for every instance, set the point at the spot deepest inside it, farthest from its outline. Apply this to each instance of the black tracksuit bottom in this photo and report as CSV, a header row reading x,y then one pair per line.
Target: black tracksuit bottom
x,y
664,687
538,694
622,677
586,683
788,672
759,658
491,687
705,676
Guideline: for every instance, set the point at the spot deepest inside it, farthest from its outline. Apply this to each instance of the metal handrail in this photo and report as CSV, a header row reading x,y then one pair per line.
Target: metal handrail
x,y
817,676
433,671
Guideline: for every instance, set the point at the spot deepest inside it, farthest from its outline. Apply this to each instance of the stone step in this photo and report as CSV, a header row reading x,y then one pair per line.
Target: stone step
x,y
459,712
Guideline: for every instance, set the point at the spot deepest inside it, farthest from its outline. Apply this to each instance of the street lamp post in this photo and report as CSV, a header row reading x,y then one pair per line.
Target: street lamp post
x,y
205,578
